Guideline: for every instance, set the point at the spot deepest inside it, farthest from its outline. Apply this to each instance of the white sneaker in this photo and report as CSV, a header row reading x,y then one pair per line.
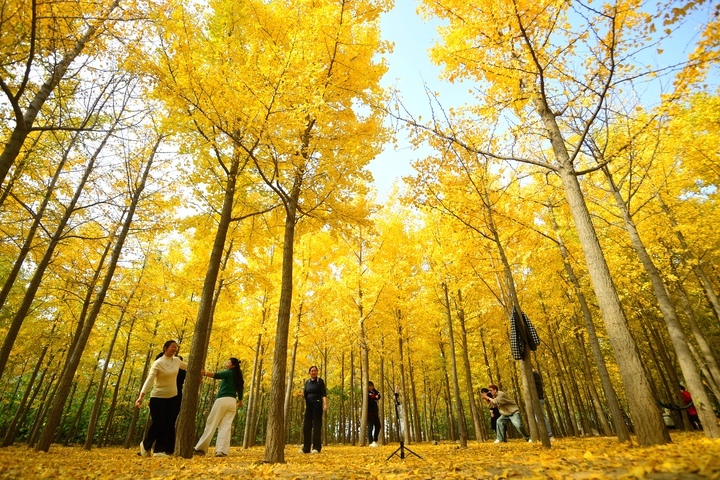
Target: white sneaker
x,y
314,451
529,440
161,454
497,441
143,452
374,444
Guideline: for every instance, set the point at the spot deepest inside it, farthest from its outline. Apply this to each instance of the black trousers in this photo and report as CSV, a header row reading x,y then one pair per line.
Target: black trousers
x,y
373,427
312,426
163,413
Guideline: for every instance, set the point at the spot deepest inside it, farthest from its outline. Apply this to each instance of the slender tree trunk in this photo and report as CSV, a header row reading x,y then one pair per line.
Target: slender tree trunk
x,y
411,375
712,295
291,373
111,412
569,417
468,372
677,335
610,394
708,359
343,414
76,354
100,393
599,413
185,431
12,429
275,437
252,398
381,409
448,397
649,426
135,410
405,426
462,426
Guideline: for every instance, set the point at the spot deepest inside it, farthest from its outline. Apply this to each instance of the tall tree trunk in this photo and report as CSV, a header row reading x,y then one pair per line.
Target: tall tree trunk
x,y
468,372
185,432
252,397
411,375
649,426
383,403
275,437
104,433
448,397
462,426
100,393
76,354
135,411
291,374
569,417
688,257
677,335
708,359
613,404
538,431
599,413
365,373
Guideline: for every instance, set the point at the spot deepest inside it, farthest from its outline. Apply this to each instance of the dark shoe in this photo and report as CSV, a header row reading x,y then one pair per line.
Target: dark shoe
x,y
220,454
199,453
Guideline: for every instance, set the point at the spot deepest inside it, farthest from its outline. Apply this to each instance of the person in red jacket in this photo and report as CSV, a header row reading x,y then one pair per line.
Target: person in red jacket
x,y
691,411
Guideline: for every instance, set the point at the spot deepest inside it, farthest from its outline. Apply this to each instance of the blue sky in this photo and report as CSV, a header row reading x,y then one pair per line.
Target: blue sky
x,y
410,69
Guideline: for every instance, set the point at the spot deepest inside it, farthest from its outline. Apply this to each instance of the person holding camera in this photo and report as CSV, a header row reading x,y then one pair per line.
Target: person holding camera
x,y
509,412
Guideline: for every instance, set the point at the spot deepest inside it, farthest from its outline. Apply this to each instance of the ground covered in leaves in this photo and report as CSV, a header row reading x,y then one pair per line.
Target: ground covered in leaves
x,y
691,456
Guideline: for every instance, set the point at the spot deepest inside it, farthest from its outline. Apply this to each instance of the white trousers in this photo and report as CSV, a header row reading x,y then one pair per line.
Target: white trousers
x,y
221,417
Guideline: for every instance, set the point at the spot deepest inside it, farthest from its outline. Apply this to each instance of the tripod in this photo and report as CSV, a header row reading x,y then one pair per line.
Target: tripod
x,y
398,416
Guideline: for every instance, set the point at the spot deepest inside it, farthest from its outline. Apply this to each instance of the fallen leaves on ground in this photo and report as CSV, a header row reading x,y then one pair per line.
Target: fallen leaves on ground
x,y
690,456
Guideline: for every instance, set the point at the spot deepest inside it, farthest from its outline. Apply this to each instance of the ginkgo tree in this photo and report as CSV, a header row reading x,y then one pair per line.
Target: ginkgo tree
x,y
553,68
287,85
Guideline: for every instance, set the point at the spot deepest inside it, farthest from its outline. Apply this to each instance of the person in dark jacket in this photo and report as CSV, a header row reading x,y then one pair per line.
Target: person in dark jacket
x,y
494,411
373,415
316,404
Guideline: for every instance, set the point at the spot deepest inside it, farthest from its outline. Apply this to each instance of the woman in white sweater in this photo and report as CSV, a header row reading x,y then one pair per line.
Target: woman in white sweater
x,y
162,378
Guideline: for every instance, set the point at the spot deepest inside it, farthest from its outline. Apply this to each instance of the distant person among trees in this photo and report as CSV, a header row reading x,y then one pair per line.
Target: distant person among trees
x,y
222,414
541,397
162,378
494,411
509,412
691,411
373,415
315,395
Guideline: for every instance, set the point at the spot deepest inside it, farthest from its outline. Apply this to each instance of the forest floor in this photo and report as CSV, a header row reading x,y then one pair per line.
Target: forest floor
x,y
690,456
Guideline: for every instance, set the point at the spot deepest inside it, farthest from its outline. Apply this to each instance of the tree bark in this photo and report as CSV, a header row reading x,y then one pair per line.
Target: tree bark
x,y
462,427
614,405
468,372
185,432
275,438
677,335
